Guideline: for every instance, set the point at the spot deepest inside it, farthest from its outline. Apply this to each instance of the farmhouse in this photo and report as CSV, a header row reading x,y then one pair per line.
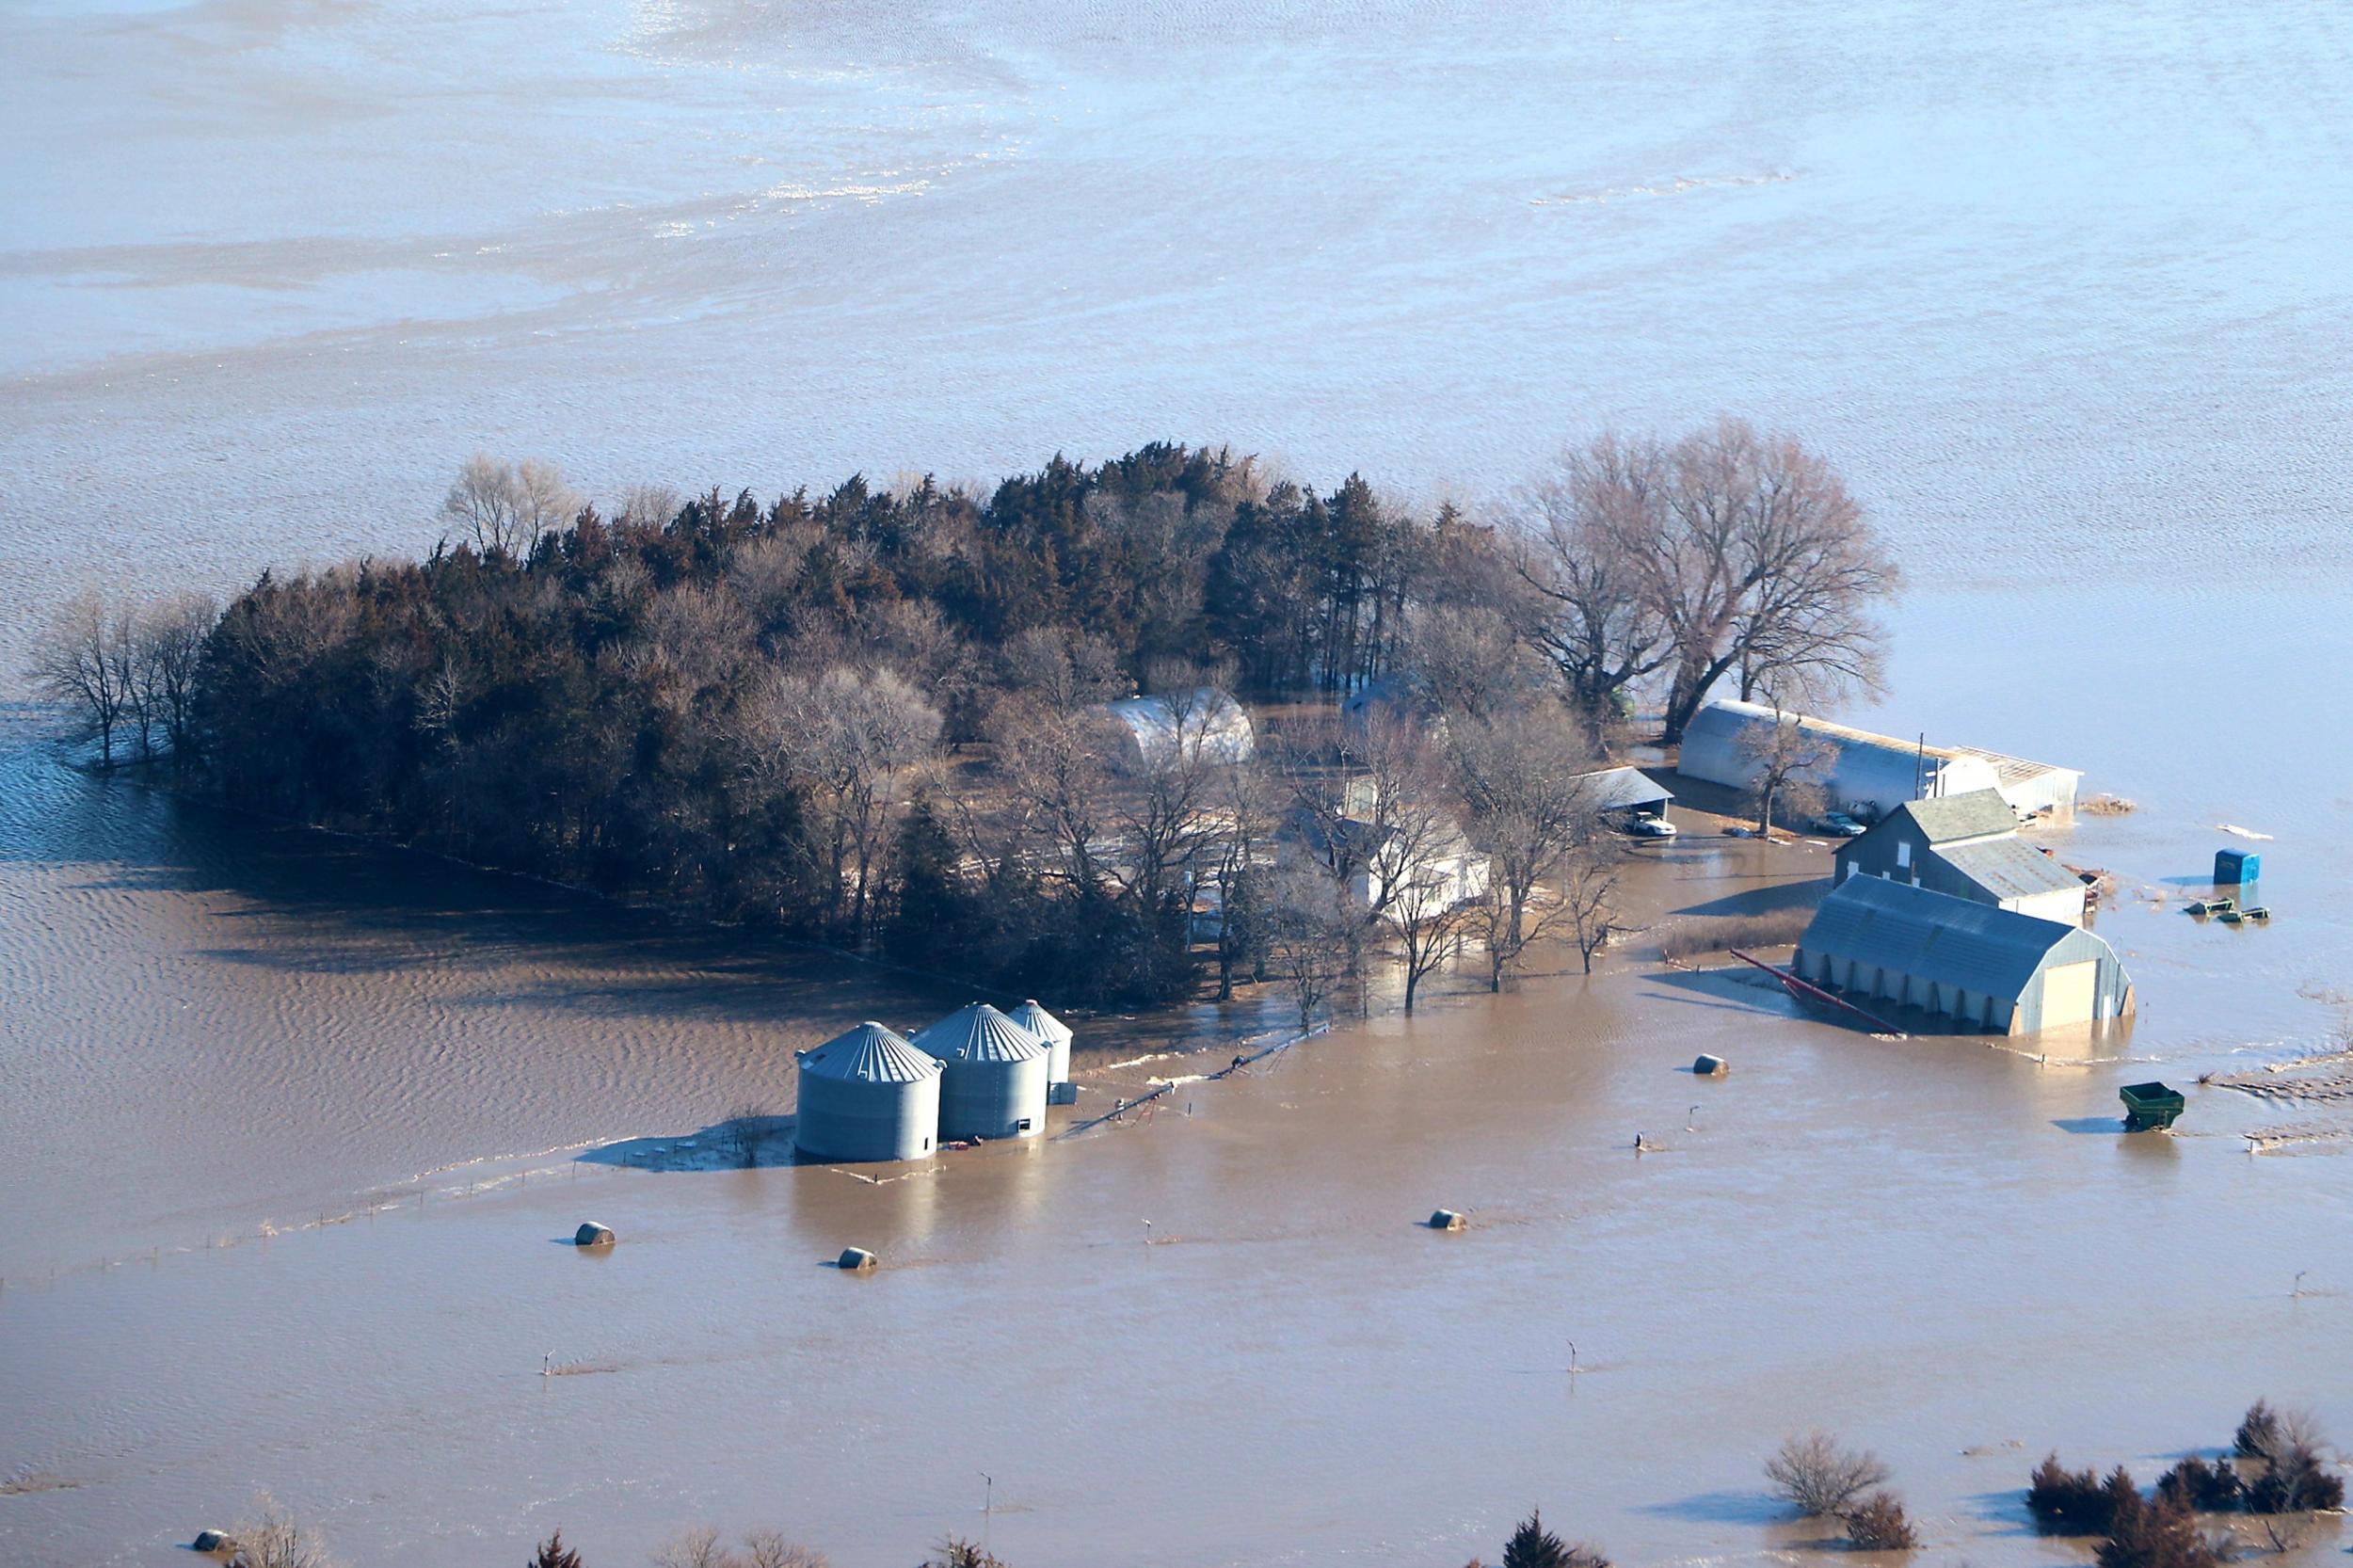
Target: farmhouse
x,y
1980,965
1968,846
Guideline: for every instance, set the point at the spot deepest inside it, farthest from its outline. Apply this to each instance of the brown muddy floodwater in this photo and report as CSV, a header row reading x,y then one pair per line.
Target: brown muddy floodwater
x,y
1940,1247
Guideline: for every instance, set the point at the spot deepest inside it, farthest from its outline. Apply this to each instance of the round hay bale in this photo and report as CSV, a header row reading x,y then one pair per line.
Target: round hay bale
x,y
1446,1218
856,1260
210,1541
1710,1066
591,1234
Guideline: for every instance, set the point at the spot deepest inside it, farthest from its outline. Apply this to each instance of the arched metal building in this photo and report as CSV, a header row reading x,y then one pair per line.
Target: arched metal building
x,y
993,1079
1056,1034
1877,771
868,1095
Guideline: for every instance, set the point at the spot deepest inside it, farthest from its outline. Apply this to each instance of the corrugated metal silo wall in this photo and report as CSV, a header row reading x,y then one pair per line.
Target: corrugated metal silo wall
x,y
1057,1064
991,1099
855,1120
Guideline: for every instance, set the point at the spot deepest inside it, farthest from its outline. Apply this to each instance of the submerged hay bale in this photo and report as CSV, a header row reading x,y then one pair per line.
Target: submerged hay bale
x,y
1710,1066
1446,1218
210,1541
856,1260
591,1234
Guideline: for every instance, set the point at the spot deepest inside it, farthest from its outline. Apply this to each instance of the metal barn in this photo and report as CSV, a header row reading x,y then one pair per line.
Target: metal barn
x,y
1979,964
868,1095
994,1074
1968,846
1877,773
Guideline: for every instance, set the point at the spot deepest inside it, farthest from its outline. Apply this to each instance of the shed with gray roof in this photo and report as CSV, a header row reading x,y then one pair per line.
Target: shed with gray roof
x,y
1976,964
1966,845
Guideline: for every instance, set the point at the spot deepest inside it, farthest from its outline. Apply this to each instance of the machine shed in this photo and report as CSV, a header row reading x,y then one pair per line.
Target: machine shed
x,y
1977,965
1966,845
1874,773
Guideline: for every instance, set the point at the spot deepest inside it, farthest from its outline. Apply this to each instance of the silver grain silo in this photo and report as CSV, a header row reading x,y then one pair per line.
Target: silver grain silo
x,y
994,1082
1056,1034
868,1095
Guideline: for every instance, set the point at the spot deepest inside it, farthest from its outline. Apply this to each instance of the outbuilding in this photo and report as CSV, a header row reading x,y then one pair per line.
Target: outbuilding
x,y
1873,773
994,1074
1625,791
1204,719
867,1094
1977,965
1968,846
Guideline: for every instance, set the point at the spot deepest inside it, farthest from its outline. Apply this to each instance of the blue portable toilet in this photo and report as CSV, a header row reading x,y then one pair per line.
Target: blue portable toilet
x,y
2235,866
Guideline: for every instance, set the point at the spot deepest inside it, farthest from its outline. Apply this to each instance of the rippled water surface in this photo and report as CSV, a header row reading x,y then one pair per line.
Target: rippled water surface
x,y
287,1125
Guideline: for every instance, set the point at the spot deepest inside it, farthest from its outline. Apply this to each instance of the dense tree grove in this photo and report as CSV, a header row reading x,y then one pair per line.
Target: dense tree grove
x,y
876,716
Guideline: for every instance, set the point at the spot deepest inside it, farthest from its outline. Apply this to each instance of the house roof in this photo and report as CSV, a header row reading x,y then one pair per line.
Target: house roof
x,y
1944,819
978,1033
869,1054
2009,866
1616,788
1953,941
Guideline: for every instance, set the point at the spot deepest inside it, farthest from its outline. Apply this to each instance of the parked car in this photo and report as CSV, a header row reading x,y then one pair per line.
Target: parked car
x,y
1838,825
1650,827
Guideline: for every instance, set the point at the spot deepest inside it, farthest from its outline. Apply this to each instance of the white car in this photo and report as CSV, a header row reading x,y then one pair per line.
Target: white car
x,y
1650,827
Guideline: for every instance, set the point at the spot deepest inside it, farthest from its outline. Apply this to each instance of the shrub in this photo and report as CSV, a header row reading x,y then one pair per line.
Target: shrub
x,y
2206,1488
1821,1477
2073,1502
1876,1524
1533,1547
2258,1431
2160,1535
552,1553
2295,1481
955,1552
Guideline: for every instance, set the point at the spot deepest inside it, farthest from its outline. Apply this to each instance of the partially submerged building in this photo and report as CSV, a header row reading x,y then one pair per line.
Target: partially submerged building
x,y
1205,721
1625,791
1979,964
1875,773
1056,1034
993,1080
1437,869
1966,845
867,1094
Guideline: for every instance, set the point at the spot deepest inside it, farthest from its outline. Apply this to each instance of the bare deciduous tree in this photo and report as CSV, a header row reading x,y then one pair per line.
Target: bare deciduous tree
x,y
767,1548
83,660
855,741
1529,808
1821,1477
501,508
1310,925
274,1538
172,634
1790,762
1592,608
698,1546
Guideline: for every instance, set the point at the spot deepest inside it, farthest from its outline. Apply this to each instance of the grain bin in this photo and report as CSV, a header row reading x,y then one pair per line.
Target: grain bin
x,y
994,1081
1056,1034
868,1095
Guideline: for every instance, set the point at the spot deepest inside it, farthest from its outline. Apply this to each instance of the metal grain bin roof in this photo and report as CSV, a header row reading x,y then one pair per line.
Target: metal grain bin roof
x,y
869,1054
1954,941
978,1033
1038,1021
1979,814
2009,868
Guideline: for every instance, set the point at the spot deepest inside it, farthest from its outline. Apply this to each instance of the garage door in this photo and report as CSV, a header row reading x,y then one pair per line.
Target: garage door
x,y
2067,992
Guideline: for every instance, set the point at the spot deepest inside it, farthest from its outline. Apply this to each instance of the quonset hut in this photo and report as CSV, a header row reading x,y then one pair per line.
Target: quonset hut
x,y
868,1095
1056,1034
994,1071
1979,964
1877,773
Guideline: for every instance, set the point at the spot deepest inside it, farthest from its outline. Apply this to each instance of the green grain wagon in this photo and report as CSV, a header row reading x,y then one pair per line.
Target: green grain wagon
x,y
2150,1104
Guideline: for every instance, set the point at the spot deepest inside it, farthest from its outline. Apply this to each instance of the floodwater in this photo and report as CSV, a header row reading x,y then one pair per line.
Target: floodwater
x,y
288,1123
